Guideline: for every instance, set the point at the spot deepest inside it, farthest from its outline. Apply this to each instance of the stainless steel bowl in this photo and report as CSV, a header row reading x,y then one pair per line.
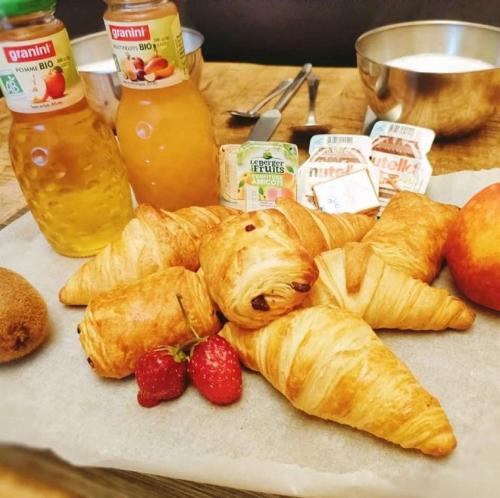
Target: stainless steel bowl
x,y
94,59
450,103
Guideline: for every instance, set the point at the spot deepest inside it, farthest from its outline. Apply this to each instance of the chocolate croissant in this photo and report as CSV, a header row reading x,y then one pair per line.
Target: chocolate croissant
x,y
329,363
122,324
152,241
411,234
259,265
355,278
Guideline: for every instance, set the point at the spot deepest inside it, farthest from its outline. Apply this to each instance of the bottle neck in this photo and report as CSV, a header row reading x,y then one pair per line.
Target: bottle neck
x,y
27,20
29,26
135,5
138,10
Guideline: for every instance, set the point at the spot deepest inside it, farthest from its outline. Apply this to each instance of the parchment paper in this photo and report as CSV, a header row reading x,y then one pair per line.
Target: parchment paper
x,y
52,400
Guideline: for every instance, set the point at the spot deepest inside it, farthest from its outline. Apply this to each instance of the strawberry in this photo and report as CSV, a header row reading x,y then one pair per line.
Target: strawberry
x,y
215,371
161,374
147,400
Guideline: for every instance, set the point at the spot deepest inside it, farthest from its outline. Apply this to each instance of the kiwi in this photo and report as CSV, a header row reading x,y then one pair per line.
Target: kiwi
x,y
23,316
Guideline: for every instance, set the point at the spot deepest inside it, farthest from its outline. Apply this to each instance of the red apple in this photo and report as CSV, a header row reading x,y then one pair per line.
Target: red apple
x,y
473,248
55,84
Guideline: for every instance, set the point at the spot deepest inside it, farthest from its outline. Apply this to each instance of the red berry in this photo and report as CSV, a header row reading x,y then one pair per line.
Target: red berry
x,y
147,400
215,370
161,374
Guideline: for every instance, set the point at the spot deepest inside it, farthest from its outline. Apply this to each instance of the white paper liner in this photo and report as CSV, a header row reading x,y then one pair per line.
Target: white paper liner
x,y
52,399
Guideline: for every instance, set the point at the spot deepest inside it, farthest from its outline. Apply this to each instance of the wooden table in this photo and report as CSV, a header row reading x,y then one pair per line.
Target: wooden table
x,y
340,102
226,86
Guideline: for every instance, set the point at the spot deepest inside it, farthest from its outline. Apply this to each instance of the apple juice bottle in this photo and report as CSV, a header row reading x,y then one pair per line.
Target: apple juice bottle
x,y
65,158
163,124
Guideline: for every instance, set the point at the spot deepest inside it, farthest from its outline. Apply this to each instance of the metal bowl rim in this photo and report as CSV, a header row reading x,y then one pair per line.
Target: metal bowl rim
x,y
198,35
389,27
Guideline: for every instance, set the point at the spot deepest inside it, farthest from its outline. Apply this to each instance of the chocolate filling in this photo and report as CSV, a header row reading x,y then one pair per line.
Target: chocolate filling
x,y
300,287
260,303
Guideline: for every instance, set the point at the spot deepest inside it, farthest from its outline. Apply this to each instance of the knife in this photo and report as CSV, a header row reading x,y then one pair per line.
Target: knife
x,y
269,120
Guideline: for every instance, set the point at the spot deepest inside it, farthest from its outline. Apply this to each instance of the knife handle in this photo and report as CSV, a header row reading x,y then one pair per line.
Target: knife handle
x,y
294,86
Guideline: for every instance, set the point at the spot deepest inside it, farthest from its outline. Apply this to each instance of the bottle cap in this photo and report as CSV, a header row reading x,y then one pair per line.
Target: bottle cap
x,y
11,8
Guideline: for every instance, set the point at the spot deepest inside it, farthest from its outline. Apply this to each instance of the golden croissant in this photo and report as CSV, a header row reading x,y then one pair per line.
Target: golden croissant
x,y
329,363
355,278
318,231
153,240
411,234
259,265
122,324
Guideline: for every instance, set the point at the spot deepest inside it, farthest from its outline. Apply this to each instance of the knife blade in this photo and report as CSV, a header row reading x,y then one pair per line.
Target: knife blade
x,y
269,120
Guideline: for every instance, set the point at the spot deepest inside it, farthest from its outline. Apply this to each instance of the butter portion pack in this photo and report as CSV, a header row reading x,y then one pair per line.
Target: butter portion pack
x,y
253,175
350,193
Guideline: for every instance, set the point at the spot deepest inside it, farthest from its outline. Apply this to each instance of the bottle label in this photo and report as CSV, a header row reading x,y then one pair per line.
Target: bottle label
x,y
39,75
149,54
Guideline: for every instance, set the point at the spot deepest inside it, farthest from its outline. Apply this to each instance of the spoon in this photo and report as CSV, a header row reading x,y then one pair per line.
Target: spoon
x,y
253,112
310,126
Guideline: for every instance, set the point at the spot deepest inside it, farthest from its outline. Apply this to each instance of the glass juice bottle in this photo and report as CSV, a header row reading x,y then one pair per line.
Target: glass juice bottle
x,y
65,158
163,124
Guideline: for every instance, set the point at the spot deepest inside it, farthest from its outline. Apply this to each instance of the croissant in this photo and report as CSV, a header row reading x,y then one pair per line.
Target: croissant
x,y
122,324
255,267
318,231
356,279
151,241
329,363
411,234
259,265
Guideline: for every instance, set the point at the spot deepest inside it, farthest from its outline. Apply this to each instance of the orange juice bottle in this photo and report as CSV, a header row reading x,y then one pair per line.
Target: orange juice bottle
x,y
163,124
65,158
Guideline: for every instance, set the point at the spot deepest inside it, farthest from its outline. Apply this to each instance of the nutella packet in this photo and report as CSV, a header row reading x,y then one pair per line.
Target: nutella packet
x,y
351,193
359,142
253,175
399,151
333,156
